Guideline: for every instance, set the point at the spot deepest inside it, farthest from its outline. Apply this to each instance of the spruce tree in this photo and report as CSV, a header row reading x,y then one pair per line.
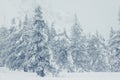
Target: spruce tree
x,y
114,47
40,57
78,47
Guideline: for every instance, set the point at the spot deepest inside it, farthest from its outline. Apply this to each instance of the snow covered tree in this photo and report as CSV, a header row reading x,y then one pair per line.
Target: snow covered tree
x,y
17,45
111,32
39,57
114,47
61,51
9,43
13,26
78,48
25,20
98,54
52,41
4,33
52,34
20,24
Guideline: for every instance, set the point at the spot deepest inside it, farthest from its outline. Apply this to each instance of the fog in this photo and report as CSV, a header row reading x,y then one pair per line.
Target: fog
x,y
93,15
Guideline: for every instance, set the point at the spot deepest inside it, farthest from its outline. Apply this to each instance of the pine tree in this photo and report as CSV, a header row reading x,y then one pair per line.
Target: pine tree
x,y
17,44
52,34
13,26
115,50
4,33
25,20
78,47
62,47
39,56
111,32
97,51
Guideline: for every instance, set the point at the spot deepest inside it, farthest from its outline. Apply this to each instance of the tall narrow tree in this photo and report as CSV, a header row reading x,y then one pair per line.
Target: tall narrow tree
x,y
78,47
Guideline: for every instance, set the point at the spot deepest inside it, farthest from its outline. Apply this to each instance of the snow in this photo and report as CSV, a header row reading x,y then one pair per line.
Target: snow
x,y
6,74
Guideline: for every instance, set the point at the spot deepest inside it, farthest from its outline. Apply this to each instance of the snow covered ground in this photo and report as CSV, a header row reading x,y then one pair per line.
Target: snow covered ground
x,y
6,74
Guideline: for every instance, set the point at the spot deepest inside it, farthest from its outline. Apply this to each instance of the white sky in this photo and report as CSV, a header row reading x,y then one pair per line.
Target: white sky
x,y
93,15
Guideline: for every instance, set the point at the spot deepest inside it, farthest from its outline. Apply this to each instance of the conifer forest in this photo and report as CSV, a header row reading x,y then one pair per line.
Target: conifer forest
x,y
34,46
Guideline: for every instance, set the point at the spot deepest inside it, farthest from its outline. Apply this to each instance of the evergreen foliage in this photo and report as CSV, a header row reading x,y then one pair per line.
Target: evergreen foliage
x,y
33,46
